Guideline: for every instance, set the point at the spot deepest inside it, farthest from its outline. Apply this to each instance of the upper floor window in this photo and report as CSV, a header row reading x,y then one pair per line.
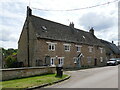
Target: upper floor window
x,y
78,47
90,49
67,47
51,46
101,50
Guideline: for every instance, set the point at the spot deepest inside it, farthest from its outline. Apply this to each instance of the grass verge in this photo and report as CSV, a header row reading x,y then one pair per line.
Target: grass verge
x,y
31,81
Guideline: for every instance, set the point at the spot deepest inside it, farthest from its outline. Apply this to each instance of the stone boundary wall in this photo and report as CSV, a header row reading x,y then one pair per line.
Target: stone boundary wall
x,y
13,73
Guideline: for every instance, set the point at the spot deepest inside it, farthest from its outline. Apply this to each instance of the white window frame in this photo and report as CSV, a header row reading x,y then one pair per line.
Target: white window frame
x,y
51,44
101,50
101,59
61,62
68,47
89,60
52,61
90,48
78,46
75,59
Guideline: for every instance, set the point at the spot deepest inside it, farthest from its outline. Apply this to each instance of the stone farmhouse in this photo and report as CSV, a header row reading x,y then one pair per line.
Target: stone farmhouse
x,y
46,43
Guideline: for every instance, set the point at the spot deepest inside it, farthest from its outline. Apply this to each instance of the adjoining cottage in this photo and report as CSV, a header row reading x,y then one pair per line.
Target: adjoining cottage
x,y
112,51
44,42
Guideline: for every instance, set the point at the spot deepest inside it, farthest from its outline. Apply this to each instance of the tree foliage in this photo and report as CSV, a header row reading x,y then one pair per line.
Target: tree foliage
x,y
10,61
10,57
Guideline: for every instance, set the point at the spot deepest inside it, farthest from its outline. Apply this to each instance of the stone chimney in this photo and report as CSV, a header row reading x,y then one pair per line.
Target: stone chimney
x,y
71,25
113,42
29,11
91,31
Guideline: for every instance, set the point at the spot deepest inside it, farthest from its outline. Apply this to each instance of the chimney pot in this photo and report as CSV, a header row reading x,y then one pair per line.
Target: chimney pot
x,y
29,11
71,25
91,31
113,42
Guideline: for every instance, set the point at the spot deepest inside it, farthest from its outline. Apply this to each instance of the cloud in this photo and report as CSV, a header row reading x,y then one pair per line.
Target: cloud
x,y
98,21
11,23
103,19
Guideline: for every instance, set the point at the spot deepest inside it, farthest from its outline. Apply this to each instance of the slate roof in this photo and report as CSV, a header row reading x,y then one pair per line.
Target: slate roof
x,y
51,30
110,47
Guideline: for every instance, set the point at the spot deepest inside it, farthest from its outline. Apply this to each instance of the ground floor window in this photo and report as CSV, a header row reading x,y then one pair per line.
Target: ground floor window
x,y
52,61
89,60
101,59
60,61
39,62
75,59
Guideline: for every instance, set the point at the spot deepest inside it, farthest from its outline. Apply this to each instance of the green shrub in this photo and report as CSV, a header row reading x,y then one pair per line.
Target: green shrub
x,y
10,61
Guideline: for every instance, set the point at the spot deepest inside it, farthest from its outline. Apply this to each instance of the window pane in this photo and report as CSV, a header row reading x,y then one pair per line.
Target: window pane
x,y
49,47
52,47
59,61
52,61
78,48
65,47
68,47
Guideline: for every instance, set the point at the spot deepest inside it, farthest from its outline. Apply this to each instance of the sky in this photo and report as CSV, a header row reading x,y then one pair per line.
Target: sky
x,y
104,18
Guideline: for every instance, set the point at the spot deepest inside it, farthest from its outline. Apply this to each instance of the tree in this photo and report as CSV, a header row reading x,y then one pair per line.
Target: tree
x,y
10,57
10,61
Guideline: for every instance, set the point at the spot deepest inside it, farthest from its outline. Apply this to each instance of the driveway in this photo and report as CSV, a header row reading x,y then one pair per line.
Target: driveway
x,y
102,77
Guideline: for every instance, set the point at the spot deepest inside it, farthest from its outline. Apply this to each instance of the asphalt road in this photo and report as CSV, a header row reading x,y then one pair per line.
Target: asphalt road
x,y
102,77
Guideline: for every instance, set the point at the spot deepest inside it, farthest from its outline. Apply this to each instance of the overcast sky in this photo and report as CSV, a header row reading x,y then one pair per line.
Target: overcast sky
x,y
104,19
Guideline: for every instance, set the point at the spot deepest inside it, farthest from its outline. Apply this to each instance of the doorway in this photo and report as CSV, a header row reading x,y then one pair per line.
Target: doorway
x,y
95,62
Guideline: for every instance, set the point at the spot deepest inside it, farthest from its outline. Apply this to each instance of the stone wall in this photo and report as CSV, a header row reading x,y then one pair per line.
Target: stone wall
x,y
13,73
41,51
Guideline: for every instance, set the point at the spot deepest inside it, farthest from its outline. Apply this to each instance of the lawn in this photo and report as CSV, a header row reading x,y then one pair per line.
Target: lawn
x,y
31,81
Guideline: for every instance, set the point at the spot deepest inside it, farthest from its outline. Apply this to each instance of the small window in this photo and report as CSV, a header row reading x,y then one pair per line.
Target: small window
x,y
101,59
89,60
75,59
78,47
67,47
90,49
101,50
52,61
51,46
61,61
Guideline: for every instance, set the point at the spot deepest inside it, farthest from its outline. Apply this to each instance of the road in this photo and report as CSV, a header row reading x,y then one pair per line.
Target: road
x,y
102,77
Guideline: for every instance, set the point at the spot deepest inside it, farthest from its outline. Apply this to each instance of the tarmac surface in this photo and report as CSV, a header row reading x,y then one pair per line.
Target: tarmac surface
x,y
102,77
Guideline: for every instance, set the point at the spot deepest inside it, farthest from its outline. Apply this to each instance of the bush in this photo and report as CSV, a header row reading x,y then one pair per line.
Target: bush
x,y
10,61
